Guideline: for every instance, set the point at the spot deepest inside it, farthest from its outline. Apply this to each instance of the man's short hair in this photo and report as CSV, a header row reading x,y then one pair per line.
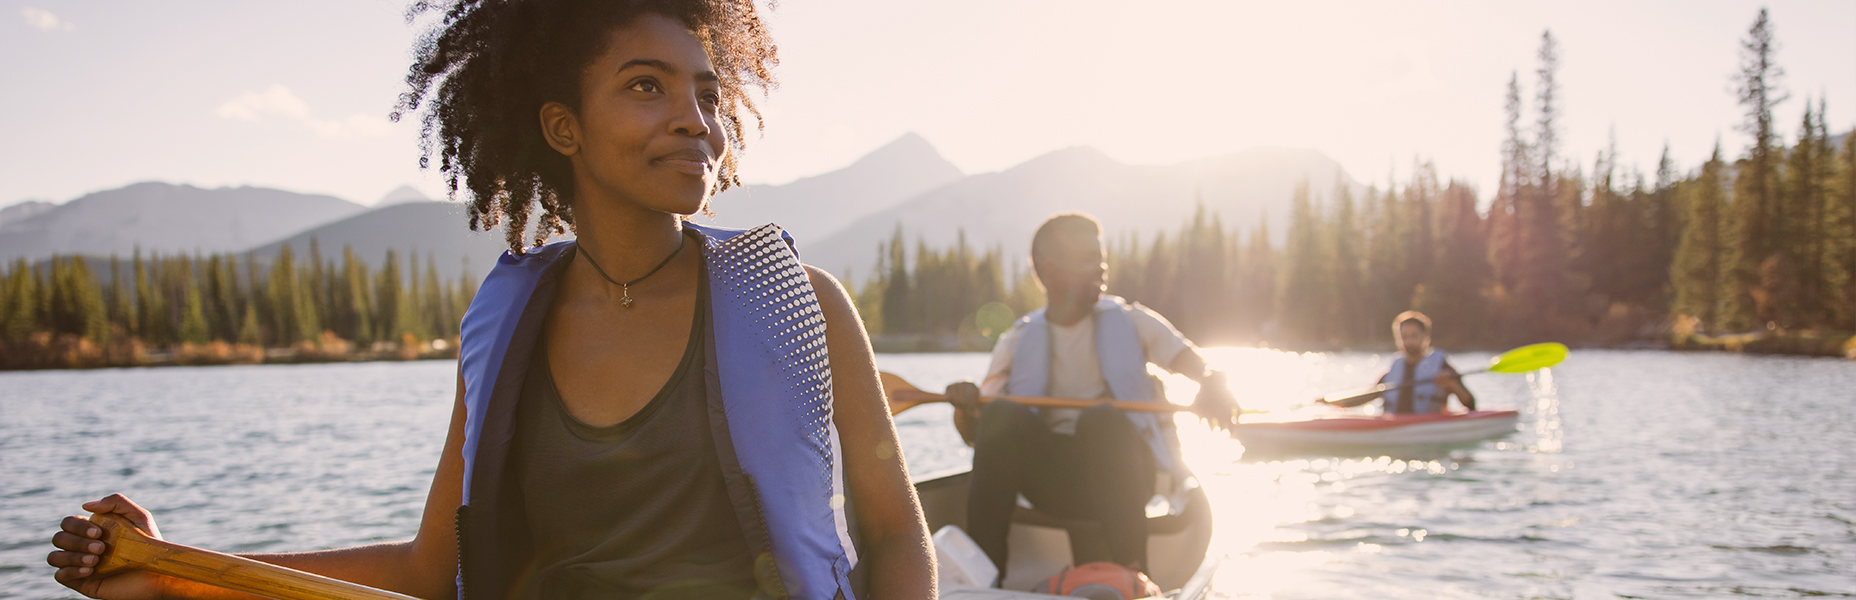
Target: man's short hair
x,y
1063,225
1411,316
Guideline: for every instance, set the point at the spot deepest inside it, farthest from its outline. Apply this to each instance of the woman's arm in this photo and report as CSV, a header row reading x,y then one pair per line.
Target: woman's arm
x,y
422,567
901,563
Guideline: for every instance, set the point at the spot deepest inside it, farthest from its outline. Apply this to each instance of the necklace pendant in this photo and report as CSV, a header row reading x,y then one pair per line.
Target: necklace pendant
x,y
625,301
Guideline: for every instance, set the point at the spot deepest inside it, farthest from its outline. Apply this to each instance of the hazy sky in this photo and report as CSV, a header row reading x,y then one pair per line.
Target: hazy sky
x,y
294,94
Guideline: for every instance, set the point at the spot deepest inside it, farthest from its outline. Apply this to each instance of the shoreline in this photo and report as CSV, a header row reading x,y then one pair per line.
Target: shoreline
x,y
80,354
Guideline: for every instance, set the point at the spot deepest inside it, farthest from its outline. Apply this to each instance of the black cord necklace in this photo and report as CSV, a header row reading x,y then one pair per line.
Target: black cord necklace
x,y
625,292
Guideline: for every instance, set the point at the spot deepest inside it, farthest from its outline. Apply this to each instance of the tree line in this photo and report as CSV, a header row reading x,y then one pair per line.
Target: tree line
x,y
1605,253
217,308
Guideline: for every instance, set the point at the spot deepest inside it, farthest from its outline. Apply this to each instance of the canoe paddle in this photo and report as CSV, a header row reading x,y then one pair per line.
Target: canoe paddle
x,y
132,548
1519,360
904,395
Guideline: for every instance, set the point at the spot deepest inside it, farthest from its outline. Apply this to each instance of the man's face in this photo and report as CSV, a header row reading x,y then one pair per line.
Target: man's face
x,y
1073,269
1413,338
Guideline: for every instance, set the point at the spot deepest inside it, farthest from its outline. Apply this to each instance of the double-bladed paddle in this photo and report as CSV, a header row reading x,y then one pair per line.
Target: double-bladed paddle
x,y
1519,360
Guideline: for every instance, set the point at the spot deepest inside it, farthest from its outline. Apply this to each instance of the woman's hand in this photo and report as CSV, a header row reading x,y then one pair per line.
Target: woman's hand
x,y
81,549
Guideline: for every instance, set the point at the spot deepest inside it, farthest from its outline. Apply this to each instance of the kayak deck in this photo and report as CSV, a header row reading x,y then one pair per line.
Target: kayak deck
x,y
1378,431
1040,543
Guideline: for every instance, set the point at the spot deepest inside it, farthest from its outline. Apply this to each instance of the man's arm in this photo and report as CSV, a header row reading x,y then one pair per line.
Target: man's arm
x,y
1450,382
966,397
1362,398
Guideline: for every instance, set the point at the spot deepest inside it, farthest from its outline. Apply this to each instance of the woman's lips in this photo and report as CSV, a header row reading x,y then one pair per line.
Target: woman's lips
x,y
691,163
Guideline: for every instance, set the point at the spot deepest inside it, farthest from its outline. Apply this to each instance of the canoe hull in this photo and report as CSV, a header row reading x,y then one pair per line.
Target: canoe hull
x,y
1392,431
1176,546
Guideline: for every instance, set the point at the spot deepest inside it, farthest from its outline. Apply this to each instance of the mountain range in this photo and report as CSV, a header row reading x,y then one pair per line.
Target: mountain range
x,y
165,218
837,217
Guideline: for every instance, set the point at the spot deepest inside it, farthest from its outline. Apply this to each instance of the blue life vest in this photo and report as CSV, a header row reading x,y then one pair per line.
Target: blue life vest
x,y
770,411
1424,396
1124,368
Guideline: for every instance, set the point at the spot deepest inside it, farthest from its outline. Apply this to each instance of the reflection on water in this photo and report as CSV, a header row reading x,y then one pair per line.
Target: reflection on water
x,y
1634,474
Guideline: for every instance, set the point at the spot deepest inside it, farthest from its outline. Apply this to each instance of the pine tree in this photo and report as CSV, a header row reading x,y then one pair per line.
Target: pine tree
x,y
193,326
440,324
467,291
314,296
387,299
122,309
1504,219
1757,214
288,321
22,304
1803,246
1349,285
1303,304
898,305
1256,284
1454,290
1697,271
258,308
224,299
350,304
1840,241
1667,216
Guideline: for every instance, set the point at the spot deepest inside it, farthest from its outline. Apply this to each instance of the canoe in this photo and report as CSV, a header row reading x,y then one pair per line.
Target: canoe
x,y
1377,432
1176,544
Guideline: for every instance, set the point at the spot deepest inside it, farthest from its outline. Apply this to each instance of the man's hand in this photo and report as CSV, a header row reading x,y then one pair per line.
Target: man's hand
x,y
966,400
1215,402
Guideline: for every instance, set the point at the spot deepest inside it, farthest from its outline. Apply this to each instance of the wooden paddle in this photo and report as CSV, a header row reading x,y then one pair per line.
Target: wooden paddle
x,y
1518,360
904,395
132,548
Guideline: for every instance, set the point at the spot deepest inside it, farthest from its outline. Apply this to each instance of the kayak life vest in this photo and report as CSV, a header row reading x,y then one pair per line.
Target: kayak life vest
x,y
770,412
1424,396
1124,367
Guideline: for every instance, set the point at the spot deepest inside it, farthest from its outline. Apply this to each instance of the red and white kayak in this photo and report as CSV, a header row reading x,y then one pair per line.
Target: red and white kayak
x,y
1378,431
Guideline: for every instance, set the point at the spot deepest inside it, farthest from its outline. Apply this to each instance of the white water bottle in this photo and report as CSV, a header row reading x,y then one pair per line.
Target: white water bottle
x,y
961,561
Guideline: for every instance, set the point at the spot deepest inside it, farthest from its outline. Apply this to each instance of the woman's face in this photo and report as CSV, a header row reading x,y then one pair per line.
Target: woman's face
x,y
647,129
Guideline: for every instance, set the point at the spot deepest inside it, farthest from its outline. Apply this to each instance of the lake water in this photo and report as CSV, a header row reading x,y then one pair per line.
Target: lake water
x,y
1635,475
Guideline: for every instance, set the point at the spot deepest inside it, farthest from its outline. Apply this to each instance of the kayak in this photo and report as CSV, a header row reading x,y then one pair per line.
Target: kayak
x,y
1179,533
1385,431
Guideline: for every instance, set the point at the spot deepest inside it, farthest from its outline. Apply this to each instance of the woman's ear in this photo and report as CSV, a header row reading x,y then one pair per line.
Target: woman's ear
x,y
562,128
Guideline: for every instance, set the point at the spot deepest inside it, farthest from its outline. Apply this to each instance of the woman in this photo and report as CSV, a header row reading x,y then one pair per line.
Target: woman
x,y
656,409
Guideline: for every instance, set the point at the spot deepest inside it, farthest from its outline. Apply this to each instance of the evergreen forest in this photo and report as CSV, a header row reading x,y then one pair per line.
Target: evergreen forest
x,y
70,312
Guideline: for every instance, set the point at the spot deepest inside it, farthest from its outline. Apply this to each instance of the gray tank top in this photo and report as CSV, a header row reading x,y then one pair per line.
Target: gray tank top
x,y
634,509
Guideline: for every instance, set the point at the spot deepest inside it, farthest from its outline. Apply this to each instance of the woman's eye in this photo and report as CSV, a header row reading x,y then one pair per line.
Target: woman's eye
x,y
711,98
646,86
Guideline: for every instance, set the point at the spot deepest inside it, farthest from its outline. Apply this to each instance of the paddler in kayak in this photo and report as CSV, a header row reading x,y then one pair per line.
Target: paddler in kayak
x,y
655,409
1421,380
1096,464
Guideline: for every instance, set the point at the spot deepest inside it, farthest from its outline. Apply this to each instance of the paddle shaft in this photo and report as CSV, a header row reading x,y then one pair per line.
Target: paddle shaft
x,y
1041,402
131,548
1381,388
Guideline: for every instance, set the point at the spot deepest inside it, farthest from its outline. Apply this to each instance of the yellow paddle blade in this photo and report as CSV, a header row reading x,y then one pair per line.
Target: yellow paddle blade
x,y
1528,358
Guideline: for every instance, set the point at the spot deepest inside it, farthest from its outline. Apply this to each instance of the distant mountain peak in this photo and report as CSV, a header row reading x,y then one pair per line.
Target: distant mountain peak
x,y
23,210
401,195
1073,155
910,150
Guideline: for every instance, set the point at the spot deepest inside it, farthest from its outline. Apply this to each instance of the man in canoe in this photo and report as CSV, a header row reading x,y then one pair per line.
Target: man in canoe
x,y
1095,464
1421,380
683,439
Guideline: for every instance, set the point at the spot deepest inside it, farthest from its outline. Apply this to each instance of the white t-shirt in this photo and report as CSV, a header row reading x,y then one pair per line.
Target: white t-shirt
x,y
1074,370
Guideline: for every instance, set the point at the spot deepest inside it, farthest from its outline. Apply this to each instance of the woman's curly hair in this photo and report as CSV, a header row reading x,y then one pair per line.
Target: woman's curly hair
x,y
484,70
